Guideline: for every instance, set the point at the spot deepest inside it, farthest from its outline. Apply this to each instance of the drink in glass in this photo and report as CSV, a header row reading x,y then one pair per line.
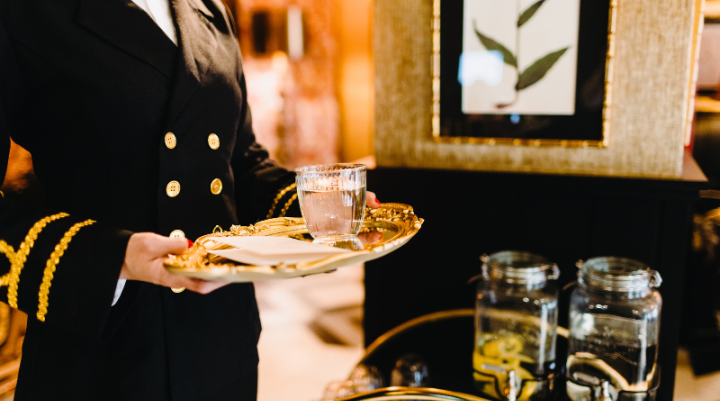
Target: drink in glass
x,y
332,200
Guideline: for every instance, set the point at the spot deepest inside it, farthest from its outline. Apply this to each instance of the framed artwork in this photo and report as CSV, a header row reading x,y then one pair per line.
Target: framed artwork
x,y
528,71
587,87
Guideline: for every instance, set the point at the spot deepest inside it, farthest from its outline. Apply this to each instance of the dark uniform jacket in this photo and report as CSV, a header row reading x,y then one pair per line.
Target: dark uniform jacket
x,y
92,88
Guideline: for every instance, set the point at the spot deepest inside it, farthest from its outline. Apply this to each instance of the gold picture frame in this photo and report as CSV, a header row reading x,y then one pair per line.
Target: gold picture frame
x,y
647,110
491,141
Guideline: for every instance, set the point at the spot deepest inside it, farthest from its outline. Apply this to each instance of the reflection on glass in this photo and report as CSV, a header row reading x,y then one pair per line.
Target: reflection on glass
x,y
370,237
366,378
410,371
481,65
351,244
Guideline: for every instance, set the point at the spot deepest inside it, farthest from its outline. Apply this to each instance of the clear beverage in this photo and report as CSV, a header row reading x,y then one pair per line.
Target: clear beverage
x,y
615,349
332,200
333,214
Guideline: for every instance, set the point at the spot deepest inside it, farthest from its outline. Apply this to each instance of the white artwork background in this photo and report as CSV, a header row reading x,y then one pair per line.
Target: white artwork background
x,y
487,81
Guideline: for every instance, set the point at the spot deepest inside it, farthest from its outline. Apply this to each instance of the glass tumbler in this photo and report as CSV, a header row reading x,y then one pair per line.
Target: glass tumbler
x,y
332,200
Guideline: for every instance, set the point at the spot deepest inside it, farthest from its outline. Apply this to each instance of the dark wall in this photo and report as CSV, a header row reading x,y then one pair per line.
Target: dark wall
x,y
561,217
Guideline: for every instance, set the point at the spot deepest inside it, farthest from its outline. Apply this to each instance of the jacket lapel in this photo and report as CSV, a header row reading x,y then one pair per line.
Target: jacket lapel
x,y
197,41
128,27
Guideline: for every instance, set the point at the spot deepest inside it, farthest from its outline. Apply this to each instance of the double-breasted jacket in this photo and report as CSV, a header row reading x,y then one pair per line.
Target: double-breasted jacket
x,y
128,133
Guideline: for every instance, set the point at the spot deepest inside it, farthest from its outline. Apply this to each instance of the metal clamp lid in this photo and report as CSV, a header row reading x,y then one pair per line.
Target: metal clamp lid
x,y
517,267
611,273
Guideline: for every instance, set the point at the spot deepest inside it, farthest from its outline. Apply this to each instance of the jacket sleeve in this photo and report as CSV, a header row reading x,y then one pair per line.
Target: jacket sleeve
x,y
57,268
262,188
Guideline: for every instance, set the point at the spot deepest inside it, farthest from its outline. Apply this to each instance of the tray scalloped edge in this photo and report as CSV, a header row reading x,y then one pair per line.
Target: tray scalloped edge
x,y
198,263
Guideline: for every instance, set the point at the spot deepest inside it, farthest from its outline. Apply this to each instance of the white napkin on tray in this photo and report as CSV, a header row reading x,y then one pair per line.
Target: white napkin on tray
x,y
265,251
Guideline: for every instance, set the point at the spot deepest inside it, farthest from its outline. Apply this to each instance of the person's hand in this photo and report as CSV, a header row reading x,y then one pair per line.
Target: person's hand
x,y
372,201
144,259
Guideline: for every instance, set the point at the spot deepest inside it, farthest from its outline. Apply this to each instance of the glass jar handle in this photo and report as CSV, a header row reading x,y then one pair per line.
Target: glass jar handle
x,y
485,259
483,270
655,279
554,272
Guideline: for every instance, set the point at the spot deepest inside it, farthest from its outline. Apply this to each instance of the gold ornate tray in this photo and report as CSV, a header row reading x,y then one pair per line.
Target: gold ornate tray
x,y
385,229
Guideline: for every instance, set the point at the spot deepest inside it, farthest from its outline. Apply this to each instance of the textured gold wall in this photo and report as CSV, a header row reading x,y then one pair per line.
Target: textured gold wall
x,y
648,106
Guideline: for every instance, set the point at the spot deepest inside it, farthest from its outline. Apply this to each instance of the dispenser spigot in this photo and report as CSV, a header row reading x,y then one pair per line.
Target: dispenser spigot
x,y
605,394
511,387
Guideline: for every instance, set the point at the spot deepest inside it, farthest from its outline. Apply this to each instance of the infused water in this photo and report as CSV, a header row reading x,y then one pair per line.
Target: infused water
x,y
619,350
508,340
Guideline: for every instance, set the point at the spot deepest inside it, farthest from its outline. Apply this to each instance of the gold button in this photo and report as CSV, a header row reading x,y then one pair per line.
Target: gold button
x,y
173,189
177,290
213,141
170,140
177,234
216,186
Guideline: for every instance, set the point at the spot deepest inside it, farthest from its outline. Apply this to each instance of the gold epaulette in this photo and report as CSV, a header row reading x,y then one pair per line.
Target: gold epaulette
x,y
51,265
279,197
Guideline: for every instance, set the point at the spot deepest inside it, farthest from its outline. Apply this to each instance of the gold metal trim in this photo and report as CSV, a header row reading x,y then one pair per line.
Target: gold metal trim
x,y
429,318
563,332
412,393
492,141
432,317
698,26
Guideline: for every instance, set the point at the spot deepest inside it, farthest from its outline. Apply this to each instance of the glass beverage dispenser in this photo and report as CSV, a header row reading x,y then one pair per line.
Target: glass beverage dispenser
x,y
516,326
614,329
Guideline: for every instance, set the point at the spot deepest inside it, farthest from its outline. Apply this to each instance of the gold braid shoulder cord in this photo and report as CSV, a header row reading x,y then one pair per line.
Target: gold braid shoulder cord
x,y
18,259
280,196
52,263
288,204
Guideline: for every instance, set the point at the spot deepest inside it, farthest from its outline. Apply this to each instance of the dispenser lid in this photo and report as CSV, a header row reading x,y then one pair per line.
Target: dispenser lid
x,y
612,273
517,267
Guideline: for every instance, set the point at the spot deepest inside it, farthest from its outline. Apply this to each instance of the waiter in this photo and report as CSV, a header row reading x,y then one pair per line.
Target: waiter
x,y
136,117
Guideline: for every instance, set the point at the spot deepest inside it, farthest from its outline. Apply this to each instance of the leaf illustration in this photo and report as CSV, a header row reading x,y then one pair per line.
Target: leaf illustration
x,y
538,69
527,14
490,44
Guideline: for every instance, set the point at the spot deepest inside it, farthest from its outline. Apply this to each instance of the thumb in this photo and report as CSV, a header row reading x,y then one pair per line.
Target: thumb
x,y
164,246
